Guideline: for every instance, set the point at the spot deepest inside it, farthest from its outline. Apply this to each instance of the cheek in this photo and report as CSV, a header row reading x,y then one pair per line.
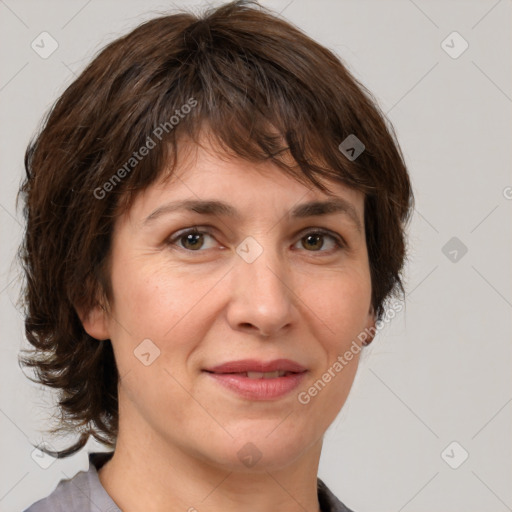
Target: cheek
x,y
340,307
152,299
340,302
156,303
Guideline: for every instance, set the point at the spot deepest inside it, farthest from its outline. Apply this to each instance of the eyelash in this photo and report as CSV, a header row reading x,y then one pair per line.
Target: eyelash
x,y
339,242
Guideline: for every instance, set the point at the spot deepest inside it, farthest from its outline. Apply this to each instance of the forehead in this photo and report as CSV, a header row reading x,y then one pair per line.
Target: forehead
x,y
205,173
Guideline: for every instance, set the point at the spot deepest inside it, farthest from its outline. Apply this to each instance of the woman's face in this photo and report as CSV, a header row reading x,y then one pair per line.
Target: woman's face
x,y
266,279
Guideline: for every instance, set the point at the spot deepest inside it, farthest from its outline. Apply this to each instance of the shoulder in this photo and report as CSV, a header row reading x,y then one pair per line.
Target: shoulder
x,y
328,501
70,494
82,493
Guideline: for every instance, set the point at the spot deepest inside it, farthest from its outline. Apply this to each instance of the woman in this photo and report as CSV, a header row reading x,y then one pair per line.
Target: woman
x,y
215,220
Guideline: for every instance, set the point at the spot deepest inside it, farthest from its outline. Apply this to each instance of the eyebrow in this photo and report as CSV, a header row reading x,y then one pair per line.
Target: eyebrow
x,y
220,208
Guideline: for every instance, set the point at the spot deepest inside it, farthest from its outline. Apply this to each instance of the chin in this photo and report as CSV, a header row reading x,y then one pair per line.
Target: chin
x,y
257,451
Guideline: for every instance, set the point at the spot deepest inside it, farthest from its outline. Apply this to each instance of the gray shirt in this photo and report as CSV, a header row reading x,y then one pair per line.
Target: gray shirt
x,y
84,493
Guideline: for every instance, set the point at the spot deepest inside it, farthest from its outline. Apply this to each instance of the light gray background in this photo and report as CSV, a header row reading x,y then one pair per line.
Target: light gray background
x,y
440,372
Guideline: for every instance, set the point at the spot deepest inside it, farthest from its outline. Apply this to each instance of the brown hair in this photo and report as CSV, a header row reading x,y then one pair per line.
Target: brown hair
x,y
264,89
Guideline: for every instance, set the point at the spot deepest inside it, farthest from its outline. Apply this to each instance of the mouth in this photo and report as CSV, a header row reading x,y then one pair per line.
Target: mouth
x,y
257,380
257,375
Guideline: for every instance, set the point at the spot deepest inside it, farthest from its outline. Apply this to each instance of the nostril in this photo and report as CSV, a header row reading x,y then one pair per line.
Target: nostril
x,y
247,325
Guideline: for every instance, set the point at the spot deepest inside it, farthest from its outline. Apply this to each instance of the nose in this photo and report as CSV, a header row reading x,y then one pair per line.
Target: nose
x,y
262,301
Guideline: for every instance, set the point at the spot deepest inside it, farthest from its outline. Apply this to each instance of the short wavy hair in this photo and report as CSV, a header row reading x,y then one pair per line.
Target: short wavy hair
x,y
265,90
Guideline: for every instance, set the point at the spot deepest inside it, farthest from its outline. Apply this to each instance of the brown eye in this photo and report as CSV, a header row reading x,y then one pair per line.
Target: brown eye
x,y
314,241
191,240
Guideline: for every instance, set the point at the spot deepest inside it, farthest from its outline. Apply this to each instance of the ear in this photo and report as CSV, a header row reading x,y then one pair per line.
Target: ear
x,y
370,327
95,322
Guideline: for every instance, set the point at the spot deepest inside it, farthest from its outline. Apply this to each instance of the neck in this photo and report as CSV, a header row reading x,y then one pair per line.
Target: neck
x,y
147,473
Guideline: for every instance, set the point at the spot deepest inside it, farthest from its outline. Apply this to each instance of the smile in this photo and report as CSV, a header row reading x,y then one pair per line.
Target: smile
x,y
257,380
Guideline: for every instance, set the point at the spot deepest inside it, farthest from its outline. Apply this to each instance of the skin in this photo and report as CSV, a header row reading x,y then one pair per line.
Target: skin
x,y
179,431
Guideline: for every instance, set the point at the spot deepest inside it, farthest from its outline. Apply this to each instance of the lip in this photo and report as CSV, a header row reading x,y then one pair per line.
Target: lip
x,y
231,376
254,365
